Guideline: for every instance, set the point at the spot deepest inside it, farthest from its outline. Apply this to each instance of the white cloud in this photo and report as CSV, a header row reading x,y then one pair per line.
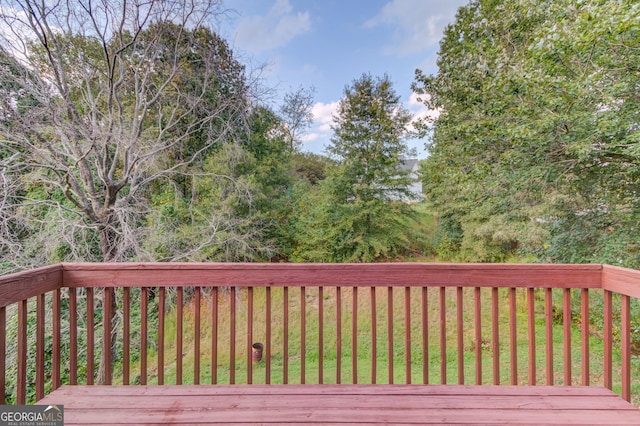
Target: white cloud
x,y
320,134
276,29
323,115
419,109
418,23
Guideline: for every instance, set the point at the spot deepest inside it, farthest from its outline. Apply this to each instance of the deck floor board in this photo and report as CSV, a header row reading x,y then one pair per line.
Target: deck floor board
x,y
341,404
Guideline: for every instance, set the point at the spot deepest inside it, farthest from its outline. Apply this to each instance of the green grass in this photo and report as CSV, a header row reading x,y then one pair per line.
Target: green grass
x,y
313,351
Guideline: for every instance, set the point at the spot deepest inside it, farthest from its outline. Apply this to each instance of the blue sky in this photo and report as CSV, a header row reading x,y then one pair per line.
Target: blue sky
x,y
329,43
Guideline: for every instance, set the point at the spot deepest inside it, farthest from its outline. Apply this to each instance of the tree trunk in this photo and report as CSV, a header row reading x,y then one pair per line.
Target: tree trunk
x,y
110,320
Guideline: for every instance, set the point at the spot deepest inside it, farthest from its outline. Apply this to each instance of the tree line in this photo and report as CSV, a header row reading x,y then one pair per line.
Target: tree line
x,y
132,132
535,152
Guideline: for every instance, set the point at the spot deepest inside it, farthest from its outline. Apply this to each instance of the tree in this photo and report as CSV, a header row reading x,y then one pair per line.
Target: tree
x,y
296,114
114,90
538,118
118,90
359,216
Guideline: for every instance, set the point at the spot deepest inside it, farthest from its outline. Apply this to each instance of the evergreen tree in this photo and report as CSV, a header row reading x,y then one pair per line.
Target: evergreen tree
x,y
359,215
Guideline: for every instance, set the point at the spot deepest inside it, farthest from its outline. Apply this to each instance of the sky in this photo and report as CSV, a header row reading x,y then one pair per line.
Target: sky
x,y
327,44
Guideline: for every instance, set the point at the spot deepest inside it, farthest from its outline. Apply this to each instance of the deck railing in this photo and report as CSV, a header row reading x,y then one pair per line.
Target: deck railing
x,y
183,323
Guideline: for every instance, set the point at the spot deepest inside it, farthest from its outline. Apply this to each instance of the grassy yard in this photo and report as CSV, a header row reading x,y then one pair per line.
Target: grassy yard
x,y
364,346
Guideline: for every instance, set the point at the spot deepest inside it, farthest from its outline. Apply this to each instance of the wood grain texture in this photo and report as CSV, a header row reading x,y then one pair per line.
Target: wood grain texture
x,y
342,404
23,285
317,274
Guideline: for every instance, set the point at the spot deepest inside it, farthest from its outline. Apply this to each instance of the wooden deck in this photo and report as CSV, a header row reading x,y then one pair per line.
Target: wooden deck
x,y
342,404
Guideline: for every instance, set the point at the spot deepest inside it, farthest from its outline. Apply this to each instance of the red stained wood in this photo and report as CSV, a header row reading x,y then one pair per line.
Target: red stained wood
x,y
407,334
343,404
531,326
196,336
495,336
478,333
621,280
608,340
179,331
303,335
22,353
40,347
344,274
144,334
126,335
390,335
513,337
285,337
73,337
354,335
214,335
425,335
249,335
460,321
584,317
90,336
268,338
3,350
548,318
160,345
625,320
55,343
23,285
566,320
374,338
443,336
320,334
107,297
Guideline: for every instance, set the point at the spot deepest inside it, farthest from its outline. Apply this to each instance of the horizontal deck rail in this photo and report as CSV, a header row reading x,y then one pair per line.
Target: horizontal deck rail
x,y
191,323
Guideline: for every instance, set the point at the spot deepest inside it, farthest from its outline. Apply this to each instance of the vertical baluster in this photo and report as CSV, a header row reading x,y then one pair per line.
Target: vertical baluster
x,y
373,335
162,295
625,319
566,319
320,334
73,336
548,313
531,322
268,338
407,334
303,330
249,335
3,354
608,340
513,337
90,336
390,333
232,337
144,331
107,296
584,304
285,337
338,335
425,335
40,301
214,335
196,336
354,336
443,336
55,344
460,321
495,336
179,330
22,352
477,308
126,334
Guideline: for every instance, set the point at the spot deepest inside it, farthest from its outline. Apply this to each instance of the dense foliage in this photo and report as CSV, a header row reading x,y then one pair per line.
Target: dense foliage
x,y
536,147
361,211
